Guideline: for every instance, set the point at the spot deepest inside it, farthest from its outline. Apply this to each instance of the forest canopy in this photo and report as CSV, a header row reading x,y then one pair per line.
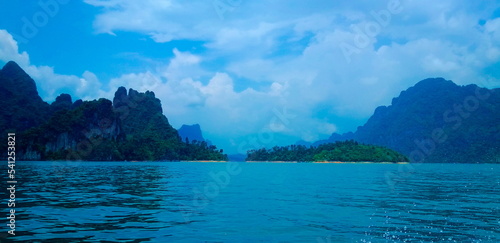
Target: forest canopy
x,y
347,151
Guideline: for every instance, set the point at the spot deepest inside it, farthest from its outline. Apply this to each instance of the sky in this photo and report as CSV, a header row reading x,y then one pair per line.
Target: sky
x,y
253,73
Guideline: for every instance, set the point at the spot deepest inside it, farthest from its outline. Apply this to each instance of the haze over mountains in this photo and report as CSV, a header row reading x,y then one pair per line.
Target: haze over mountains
x,y
433,121
436,121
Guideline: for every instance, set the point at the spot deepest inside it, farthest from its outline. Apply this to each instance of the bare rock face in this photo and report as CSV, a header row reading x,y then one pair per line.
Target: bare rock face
x,y
30,155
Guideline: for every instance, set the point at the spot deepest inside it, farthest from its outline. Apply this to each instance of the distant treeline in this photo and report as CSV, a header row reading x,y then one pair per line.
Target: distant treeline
x,y
348,151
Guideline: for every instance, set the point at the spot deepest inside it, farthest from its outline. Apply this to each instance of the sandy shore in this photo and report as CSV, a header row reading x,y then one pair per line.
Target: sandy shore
x,y
361,162
329,162
274,162
205,161
310,162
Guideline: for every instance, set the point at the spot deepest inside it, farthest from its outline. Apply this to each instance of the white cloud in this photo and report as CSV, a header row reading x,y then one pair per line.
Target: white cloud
x,y
139,81
9,50
49,83
183,65
287,54
162,20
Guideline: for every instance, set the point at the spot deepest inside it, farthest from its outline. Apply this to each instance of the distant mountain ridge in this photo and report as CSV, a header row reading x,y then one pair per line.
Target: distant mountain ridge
x,y
131,127
436,121
191,132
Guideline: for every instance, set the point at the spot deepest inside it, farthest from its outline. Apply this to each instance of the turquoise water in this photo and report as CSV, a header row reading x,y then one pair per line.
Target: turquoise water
x,y
255,202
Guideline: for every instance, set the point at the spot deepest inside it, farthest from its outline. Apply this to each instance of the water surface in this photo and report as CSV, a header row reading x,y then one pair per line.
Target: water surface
x,y
256,202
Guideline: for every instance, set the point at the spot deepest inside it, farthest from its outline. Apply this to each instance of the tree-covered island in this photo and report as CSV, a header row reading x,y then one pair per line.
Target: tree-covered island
x,y
347,151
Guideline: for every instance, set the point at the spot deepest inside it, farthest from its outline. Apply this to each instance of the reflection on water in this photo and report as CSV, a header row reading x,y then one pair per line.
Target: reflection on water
x,y
160,202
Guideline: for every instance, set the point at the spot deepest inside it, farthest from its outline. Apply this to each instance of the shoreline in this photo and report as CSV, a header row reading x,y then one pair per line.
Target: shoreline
x,y
222,161
329,162
204,161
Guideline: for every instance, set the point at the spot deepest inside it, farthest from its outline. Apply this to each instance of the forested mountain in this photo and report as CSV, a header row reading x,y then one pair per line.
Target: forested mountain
x,y
437,121
21,106
131,127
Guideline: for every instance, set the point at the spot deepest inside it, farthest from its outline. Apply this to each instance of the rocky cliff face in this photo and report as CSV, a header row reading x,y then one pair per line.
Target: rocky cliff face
x,y
132,127
148,134
46,131
72,130
134,108
102,128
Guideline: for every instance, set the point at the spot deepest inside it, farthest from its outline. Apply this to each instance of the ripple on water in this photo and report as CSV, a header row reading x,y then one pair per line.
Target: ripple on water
x,y
159,202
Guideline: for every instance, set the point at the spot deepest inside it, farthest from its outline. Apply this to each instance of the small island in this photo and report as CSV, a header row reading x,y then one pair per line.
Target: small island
x,y
347,151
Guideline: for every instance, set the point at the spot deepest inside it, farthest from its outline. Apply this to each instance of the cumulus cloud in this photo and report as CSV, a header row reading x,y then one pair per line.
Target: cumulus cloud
x,y
49,83
289,55
9,50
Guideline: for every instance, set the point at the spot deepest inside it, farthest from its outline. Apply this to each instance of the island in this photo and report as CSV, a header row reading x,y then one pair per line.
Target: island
x,y
341,151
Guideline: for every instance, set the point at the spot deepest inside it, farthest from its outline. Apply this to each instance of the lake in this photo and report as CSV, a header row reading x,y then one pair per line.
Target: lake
x,y
255,202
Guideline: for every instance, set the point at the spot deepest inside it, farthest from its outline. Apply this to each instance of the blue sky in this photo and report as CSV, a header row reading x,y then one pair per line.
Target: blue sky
x,y
253,73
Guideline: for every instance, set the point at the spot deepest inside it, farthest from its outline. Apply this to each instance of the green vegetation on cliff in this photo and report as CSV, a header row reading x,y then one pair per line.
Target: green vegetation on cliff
x,y
436,121
131,127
